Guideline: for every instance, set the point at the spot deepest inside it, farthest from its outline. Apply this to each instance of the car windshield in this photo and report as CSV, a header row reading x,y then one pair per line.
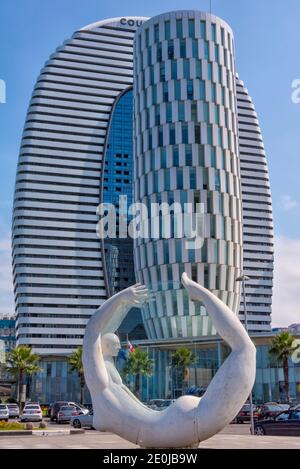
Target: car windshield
x,y
12,405
2,406
246,407
32,407
67,409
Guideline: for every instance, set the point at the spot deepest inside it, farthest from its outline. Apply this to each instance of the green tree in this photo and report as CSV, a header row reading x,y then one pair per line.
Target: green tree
x,y
282,348
75,362
139,364
20,362
181,360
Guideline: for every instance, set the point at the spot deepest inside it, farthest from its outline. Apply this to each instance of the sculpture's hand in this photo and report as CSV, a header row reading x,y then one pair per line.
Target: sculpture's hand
x,y
190,285
135,295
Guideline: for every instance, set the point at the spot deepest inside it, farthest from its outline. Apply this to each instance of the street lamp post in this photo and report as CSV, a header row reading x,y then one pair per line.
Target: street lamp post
x,y
243,279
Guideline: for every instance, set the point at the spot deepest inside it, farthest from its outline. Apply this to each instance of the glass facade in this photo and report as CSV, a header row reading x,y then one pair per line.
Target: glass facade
x,y
8,333
56,381
117,182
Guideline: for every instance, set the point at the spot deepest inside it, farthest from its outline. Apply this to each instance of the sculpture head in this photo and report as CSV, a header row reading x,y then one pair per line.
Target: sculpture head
x,y
110,344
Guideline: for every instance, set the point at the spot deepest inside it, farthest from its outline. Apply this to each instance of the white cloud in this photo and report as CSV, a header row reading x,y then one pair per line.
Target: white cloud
x,y
287,203
286,300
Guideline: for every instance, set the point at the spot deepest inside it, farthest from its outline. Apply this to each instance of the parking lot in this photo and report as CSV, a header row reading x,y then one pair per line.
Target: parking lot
x,y
232,437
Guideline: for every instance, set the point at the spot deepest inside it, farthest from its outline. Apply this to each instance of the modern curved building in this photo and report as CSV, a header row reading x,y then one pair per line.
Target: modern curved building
x,y
59,264
258,234
186,151
197,140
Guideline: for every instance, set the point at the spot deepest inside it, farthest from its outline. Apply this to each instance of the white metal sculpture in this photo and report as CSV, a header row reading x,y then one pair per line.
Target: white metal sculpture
x,y
189,420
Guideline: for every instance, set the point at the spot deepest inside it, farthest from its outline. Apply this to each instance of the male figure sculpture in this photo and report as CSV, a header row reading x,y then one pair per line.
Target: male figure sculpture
x,y
189,420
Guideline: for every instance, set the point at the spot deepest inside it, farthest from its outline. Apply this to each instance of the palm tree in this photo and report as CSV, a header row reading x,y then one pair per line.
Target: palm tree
x,y
75,362
282,348
20,361
182,359
138,364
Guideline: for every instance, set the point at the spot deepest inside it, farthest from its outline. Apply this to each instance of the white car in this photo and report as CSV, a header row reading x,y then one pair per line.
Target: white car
x,y
32,413
4,413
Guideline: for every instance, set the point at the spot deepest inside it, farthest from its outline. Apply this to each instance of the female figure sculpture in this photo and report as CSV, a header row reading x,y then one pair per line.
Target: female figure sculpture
x,y
189,420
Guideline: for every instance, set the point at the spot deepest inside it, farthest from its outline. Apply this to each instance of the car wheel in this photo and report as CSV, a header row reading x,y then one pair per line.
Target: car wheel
x,y
259,430
76,423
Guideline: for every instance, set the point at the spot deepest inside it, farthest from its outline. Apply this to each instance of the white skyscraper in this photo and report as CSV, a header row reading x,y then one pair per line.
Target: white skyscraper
x,y
258,236
58,261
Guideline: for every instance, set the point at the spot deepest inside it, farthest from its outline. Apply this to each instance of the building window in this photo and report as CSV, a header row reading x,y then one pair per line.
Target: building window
x,y
177,90
175,155
167,30
182,48
159,52
209,134
202,90
169,112
213,32
195,50
162,72
190,89
198,134
191,28
174,70
186,68
170,49
198,69
156,32
184,133
206,50
179,28
165,92
194,117
172,134
203,29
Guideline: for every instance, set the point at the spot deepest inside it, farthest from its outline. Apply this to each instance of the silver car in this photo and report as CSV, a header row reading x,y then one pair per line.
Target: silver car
x,y
80,421
4,413
14,411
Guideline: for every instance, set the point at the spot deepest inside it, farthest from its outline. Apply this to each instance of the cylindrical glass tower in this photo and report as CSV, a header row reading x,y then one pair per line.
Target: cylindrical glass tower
x,y
186,151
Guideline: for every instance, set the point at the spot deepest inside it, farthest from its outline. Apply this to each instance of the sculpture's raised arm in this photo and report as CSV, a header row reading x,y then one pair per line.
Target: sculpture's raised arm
x,y
106,319
110,315
232,384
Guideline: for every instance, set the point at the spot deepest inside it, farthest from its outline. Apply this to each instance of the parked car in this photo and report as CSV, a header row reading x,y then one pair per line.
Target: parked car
x,y
270,410
32,413
58,404
65,413
85,420
160,404
286,423
244,414
14,411
4,412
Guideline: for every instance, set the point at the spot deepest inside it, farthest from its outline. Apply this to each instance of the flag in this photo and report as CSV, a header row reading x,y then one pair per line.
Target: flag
x,y
130,346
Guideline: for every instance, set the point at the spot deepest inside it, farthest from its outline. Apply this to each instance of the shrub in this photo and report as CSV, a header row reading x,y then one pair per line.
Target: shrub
x,y
11,426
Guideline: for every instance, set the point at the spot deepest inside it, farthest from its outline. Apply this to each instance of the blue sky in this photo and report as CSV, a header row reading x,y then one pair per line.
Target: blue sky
x,y
267,45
